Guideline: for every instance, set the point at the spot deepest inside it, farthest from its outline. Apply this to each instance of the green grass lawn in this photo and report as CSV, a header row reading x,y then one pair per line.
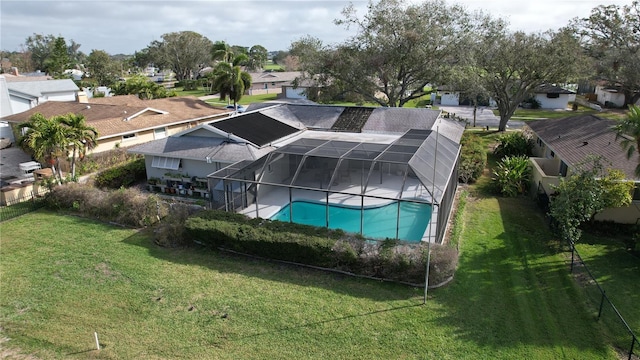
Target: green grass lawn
x,y
618,272
68,277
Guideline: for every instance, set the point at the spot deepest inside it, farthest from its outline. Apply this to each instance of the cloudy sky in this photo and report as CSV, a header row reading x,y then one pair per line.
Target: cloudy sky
x,y
119,26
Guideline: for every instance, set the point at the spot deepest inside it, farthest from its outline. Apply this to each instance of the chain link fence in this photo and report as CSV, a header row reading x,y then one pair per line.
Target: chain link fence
x,y
20,206
618,329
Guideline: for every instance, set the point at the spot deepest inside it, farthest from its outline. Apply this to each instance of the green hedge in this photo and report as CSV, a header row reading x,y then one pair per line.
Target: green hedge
x,y
473,158
122,175
317,246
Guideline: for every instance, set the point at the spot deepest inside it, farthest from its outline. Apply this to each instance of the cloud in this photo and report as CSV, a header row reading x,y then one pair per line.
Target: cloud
x,y
118,26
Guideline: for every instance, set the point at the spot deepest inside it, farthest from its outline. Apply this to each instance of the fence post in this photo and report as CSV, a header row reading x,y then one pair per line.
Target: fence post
x,y
633,342
601,304
572,255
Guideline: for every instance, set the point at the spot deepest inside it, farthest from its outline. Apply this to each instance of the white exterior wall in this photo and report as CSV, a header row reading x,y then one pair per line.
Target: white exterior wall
x,y
556,103
19,105
604,96
291,93
450,98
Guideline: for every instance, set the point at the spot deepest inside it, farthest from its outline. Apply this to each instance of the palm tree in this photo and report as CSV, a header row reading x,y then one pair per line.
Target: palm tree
x,y
229,80
628,131
81,137
46,139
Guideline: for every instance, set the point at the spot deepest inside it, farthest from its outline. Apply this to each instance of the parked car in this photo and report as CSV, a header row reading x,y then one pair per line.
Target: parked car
x,y
239,108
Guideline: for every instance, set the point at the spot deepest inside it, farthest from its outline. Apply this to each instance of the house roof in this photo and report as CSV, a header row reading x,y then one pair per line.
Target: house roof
x,y
274,76
200,148
115,120
574,138
552,89
40,88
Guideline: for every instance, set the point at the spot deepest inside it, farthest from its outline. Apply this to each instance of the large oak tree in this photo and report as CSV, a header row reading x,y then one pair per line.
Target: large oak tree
x,y
399,48
184,52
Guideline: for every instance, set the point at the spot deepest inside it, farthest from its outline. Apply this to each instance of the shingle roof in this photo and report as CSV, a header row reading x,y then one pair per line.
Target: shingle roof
x,y
574,138
552,89
200,148
274,76
399,120
109,120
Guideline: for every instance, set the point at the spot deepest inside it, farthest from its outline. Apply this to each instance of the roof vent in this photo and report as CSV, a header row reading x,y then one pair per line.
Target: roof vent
x,y
585,143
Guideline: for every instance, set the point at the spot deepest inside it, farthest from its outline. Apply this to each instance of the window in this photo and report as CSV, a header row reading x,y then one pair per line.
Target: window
x,y
162,162
128,137
160,133
552,154
563,168
553,95
636,192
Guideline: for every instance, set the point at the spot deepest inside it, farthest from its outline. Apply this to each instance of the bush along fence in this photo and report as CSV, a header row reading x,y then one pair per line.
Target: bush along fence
x,y
317,247
20,206
624,337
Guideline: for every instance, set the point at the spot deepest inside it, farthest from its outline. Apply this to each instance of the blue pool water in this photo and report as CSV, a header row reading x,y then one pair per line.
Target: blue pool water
x,y
379,222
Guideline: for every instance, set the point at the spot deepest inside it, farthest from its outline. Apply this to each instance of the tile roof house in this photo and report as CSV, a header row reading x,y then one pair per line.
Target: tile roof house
x,y
277,143
561,144
126,121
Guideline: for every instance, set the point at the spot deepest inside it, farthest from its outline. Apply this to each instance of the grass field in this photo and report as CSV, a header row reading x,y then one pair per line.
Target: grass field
x,y
535,114
618,273
68,277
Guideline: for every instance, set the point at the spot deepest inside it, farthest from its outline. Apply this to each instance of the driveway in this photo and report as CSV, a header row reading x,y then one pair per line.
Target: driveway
x,y
484,116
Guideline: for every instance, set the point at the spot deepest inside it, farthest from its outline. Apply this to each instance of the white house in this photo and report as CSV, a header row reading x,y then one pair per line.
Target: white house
x,y
553,97
24,94
448,96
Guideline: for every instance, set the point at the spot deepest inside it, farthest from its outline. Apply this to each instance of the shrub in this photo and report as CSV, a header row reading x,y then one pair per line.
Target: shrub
x,y
512,175
444,260
473,158
127,206
122,175
514,144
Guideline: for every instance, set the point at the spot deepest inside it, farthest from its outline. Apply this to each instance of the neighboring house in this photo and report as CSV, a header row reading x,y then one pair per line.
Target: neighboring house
x,y
448,96
25,94
270,82
561,144
553,97
266,159
300,92
610,96
123,121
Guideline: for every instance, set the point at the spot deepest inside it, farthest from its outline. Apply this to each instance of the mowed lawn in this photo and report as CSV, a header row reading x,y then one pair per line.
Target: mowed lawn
x,y
63,277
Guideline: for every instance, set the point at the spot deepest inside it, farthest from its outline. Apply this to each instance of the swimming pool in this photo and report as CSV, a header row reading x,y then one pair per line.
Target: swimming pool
x,y
379,222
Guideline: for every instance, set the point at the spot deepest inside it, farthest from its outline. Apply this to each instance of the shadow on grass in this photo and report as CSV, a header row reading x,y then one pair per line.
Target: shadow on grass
x,y
307,325
512,288
274,271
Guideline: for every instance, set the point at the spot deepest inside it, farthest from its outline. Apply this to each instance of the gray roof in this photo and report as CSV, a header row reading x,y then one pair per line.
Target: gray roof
x,y
399,120
574,138
552,89
40,88
200,148
317,116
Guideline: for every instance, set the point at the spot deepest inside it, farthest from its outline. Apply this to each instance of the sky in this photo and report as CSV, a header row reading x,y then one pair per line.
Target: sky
x,y
126,26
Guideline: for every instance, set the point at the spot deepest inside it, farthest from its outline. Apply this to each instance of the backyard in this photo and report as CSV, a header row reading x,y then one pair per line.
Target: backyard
x,y
512,297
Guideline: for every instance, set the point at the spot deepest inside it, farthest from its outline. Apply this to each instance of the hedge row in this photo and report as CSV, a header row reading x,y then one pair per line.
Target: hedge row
x,y
122,175
473,158
389,259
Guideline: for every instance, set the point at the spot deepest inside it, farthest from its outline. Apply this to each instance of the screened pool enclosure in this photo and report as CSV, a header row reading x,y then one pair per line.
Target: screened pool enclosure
x,y
401,190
